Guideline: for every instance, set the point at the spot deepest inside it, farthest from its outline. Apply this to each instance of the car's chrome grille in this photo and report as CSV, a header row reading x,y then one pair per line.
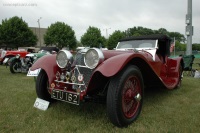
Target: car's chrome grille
x,y
79,59
86,72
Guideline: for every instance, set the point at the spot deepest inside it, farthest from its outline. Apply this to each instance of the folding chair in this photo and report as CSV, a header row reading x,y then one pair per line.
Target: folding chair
x,y
188,62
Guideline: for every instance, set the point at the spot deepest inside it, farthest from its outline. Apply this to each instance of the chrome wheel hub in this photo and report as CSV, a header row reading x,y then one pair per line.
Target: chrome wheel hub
x,y
138,97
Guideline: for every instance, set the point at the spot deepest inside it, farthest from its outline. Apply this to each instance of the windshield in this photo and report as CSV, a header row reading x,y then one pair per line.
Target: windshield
x,y
137,44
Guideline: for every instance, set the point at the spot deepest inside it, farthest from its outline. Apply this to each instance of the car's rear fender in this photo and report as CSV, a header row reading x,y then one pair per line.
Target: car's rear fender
x,y
48,64
174,64
173,72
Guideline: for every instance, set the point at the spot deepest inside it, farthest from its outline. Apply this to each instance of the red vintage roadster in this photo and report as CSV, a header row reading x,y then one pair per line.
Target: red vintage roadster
x,y
116,77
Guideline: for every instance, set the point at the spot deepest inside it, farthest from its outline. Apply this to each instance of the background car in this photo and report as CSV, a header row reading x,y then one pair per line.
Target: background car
x,y
22,51
116,77
20,64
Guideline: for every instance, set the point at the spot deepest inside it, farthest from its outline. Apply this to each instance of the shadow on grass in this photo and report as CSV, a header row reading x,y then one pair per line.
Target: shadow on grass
x,y
95,111
88,110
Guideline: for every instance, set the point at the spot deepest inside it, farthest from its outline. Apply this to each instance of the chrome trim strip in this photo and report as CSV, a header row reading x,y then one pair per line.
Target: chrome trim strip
x,y
81,66
68,83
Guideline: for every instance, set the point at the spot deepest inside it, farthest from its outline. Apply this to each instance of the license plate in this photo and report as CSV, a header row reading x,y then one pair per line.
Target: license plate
x,y
5,60
33,73
69,97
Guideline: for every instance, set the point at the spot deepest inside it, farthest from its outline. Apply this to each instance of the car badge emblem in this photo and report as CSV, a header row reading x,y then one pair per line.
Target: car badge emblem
x,y
73,78
67,78
62,77
52,85
80,77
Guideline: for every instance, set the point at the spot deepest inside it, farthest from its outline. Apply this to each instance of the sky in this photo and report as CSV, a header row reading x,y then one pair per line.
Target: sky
x,y
107,15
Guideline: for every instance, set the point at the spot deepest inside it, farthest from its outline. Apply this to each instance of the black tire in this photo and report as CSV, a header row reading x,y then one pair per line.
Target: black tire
x,y
42,84
14,64
125,89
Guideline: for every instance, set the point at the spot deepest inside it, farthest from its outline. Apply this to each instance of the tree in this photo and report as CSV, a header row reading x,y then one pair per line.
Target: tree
x,y
104,41
61,35
0,35
114,38
78,44
162,31
138,31
178,37
196,46
92,37
15,33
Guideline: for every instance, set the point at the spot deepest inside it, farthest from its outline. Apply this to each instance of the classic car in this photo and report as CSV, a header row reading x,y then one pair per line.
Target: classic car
x,y
116,77
22,64
8,54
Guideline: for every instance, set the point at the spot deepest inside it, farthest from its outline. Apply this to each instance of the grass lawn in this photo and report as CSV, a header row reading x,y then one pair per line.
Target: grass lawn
x,y
163,110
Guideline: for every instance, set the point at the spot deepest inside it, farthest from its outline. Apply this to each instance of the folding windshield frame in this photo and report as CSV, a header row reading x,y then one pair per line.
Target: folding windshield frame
x,y
131,45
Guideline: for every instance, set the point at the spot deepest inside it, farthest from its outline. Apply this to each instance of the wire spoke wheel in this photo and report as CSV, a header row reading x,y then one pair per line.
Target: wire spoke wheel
x,y
125,96
130,102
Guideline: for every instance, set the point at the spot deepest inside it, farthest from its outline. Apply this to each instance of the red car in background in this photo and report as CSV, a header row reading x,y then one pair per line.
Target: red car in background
x,y
6,55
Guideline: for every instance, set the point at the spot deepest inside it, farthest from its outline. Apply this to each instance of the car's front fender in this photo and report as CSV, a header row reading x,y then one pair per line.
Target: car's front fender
x,y
13,58
48,64
113,65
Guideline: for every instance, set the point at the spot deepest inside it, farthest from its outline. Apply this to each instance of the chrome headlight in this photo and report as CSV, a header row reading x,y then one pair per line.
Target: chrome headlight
x,y
93,57
63,57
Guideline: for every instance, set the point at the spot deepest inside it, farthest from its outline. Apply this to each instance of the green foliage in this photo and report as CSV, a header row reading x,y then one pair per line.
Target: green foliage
x,y
179,46
92,38
61,35
178,37
138,31
78,44
196,47
14,32
104,41
162,31
114,38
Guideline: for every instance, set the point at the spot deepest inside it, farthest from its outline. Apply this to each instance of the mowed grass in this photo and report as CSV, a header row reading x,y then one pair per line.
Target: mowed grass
x,y
163,110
